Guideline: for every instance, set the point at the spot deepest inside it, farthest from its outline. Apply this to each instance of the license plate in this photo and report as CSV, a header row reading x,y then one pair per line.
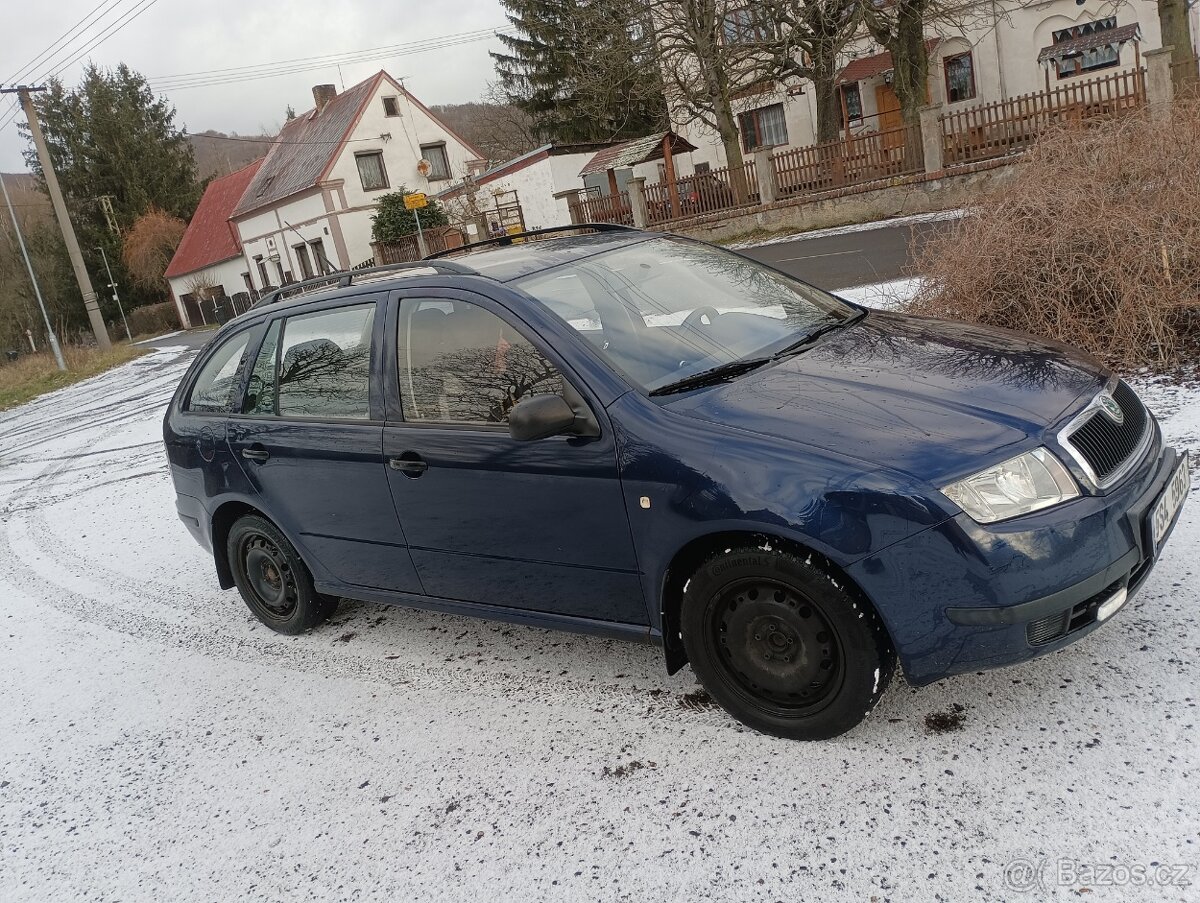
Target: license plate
x,y
1162,515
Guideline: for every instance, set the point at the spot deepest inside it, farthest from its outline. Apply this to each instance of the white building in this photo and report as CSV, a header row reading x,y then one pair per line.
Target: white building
x,y
527,192
308,209
997,52
208,262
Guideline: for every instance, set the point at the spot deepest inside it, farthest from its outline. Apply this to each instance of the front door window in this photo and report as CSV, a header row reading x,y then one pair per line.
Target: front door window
x,y
462,364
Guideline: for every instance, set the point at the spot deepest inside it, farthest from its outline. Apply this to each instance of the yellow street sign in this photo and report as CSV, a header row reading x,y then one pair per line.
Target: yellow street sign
x,y
414,201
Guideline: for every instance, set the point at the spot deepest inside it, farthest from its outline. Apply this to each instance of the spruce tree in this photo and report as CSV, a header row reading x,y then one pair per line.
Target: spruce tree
x,y
582,70
118,153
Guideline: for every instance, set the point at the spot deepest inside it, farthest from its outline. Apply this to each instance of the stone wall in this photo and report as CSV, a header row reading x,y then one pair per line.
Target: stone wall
x,y
925,193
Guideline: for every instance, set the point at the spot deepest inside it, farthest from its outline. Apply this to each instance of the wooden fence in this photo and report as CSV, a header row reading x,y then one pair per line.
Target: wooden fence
x,y
602,208
976,133
403,250
703,192
854,161
1010,126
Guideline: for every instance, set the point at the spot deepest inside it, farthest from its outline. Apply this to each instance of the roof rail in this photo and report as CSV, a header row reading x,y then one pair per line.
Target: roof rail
x,y
505,240
350,277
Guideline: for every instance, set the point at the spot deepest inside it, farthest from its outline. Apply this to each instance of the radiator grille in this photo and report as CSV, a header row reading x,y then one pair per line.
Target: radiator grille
x,y
1104,443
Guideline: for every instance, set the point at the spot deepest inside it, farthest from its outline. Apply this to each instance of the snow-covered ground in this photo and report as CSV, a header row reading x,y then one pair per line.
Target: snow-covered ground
x,y
157,743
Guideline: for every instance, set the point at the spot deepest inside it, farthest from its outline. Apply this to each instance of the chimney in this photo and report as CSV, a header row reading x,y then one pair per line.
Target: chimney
x,y
322,94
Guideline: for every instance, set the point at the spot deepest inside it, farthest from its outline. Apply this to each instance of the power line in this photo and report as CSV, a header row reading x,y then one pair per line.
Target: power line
x,y
278,70
113,28
84,22
329,56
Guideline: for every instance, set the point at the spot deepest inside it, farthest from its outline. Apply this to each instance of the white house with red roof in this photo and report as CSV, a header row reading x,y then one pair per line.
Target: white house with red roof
x,y
208,261
308,208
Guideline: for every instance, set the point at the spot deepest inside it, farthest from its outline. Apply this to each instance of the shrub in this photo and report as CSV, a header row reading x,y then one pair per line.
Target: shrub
x,y
1096,243
153,319
392,222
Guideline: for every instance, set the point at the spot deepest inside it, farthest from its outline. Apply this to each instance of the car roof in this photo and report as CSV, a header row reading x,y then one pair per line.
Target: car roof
x,y
501,259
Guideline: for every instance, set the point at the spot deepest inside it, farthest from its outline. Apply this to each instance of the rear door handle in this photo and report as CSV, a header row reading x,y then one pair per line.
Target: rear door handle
x,y
410,464
256,454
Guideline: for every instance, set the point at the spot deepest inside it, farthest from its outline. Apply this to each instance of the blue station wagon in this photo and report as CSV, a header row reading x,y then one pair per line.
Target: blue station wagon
x,y
644,436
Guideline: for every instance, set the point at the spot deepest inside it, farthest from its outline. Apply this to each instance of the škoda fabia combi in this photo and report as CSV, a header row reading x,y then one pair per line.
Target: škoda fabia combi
x,y
643,436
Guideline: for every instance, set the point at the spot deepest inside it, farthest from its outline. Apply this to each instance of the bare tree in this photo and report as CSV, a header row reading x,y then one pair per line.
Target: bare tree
x,y
1175,24
716,53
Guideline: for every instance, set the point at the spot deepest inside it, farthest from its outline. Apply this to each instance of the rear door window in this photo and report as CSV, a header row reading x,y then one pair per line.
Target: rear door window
x,y
215,390
324,368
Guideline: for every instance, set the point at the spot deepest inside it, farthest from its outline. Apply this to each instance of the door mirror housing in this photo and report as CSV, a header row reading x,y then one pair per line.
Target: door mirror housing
x,y
540,417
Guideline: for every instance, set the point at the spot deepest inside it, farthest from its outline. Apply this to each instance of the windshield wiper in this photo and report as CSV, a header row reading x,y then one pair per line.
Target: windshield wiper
x,y
811,337
710,377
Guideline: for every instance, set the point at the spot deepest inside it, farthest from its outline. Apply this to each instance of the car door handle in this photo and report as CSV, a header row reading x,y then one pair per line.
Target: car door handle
x,y
410,464
256,454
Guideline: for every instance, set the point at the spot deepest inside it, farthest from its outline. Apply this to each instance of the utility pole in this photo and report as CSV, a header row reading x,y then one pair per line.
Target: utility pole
x,y
58,358
64,219
112,285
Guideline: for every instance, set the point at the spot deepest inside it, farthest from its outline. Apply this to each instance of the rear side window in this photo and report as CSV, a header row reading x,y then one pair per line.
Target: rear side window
x,y
325,364
260,392
216,387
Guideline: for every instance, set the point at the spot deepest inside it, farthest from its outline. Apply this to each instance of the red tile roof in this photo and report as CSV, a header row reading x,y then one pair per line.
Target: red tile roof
x,y
869,66
210,237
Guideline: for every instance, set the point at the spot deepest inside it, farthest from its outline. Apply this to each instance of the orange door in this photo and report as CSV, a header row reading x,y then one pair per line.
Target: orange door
x,y
888,106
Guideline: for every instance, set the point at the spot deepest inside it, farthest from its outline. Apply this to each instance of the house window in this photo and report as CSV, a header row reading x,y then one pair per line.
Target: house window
x,y
262,270
306,270
764,127
960,77
391,106
1101,56
371,171
436,155
748,25
702,167
852,98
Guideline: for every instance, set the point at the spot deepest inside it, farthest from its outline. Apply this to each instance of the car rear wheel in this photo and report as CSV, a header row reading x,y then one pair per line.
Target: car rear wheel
x,y
783,646
273,580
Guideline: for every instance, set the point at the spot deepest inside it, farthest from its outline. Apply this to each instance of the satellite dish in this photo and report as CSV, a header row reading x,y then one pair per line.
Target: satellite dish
x,y
424,167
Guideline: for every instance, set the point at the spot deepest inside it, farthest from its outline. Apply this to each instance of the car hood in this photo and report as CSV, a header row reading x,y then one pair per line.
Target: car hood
x,y
934,398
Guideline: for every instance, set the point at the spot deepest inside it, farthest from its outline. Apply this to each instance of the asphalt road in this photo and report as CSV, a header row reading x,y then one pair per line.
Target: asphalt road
x,y
849,259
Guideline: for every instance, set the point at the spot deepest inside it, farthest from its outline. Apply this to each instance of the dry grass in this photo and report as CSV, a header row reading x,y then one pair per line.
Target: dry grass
x,y
1096,243
37,374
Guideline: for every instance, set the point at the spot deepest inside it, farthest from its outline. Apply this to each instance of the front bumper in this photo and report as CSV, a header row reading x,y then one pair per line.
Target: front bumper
x,y
965,597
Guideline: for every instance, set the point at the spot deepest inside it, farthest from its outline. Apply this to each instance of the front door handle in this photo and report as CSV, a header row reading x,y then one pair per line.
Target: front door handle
x,y
256,454
410,464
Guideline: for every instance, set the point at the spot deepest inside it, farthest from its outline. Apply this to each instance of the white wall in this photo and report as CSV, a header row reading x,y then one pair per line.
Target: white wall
x,y
341,208
401,151
1004,52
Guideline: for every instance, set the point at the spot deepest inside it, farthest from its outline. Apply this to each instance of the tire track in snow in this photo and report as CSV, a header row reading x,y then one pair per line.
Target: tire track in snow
x,y
38,560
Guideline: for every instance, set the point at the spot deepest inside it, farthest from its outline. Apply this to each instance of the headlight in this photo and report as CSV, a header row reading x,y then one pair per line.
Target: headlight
x,y
1026,483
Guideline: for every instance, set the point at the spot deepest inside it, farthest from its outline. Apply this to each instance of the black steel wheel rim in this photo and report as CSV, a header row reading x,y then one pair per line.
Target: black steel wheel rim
x,y
269,576
776,647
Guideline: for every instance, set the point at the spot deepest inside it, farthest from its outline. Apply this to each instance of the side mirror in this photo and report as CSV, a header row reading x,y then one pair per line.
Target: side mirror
x,y
540,417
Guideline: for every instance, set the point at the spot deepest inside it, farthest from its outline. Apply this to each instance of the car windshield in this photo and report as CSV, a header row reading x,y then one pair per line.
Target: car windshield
x,y
666,310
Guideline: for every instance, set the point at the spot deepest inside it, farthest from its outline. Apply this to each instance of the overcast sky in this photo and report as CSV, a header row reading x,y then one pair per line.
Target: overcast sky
x,y
181,36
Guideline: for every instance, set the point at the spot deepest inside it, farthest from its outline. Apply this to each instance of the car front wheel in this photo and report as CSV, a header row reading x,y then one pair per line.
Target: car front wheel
x,y
273,580
783,646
